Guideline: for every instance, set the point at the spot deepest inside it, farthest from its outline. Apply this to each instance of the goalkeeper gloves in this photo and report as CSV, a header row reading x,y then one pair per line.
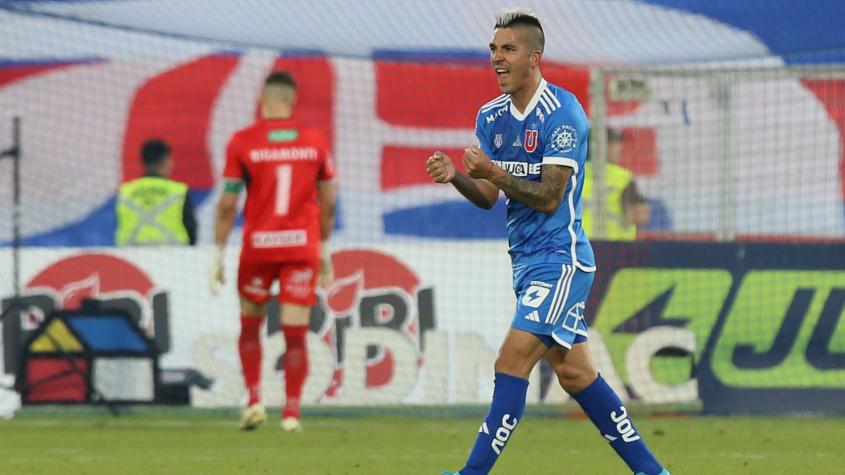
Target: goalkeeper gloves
x,y
216,275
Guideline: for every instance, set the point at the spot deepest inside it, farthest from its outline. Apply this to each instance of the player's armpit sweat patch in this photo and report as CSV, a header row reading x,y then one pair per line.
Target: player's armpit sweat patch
x,y
233,186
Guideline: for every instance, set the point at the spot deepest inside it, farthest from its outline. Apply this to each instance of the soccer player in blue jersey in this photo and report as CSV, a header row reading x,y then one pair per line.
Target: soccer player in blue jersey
x,y
532,144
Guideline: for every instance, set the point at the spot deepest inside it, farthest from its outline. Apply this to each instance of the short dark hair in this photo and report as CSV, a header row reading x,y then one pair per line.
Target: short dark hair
x,y
154,151
280,78
511,17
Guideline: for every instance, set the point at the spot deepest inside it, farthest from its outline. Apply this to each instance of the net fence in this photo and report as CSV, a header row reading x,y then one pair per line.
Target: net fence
x,y
719,282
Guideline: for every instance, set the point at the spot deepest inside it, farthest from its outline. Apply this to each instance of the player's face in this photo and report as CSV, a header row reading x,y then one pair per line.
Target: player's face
x,y
512,59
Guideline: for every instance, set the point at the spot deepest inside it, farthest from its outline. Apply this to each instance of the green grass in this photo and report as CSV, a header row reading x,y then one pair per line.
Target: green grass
x,y
149,444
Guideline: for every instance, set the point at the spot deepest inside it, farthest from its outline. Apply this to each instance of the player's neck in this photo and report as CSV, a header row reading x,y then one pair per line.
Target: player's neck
x,y
277,112
276,117
522,97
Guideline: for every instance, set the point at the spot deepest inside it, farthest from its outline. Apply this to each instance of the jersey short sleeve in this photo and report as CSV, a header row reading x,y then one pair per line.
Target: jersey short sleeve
x,y
233,169
565,137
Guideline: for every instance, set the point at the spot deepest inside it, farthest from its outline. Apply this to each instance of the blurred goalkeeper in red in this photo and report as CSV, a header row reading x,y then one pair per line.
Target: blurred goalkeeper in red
x,y
288,218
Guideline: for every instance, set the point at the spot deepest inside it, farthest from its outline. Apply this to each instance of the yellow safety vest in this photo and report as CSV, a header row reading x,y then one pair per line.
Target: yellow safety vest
x,y
617,227
149,212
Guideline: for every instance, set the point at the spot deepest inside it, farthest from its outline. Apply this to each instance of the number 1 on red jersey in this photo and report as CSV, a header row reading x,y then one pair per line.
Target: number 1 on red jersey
x,y
283,184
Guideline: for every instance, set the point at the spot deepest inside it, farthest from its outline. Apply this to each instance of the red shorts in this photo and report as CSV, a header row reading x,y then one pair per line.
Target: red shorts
x,y
297,281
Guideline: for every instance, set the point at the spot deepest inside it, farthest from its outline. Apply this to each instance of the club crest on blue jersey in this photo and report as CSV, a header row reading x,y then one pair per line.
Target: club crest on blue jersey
x,y
564,138
498,140
531,140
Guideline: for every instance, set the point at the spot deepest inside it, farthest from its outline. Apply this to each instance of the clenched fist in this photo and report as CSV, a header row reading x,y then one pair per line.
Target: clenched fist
x,y
477,163
440,167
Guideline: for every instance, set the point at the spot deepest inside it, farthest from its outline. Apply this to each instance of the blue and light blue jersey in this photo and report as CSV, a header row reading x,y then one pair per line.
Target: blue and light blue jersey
x,y
552,130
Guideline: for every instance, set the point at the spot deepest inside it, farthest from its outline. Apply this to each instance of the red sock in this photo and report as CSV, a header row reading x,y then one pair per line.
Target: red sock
x,y
249,347
295,366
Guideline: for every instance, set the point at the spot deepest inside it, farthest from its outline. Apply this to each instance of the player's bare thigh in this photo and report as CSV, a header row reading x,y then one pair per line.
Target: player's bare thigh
x,y
519,353
574,368
292,314
253,309
295,315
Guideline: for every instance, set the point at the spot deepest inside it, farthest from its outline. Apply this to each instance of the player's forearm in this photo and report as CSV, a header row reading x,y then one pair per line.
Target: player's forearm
x,y
470,190
539,196
326,199
223,224
227,210
327,217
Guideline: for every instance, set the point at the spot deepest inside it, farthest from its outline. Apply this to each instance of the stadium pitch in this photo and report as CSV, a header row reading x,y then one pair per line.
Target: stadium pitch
x,y
148,443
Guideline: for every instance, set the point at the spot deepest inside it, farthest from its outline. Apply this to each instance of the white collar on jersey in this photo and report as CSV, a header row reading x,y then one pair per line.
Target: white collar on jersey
x,y
520,116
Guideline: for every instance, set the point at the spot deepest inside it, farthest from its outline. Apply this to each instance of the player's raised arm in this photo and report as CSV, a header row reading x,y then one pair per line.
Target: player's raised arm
x,y
481,193
544,195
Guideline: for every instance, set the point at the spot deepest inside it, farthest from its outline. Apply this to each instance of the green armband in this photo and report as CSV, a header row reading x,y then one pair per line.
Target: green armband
x,y
232,186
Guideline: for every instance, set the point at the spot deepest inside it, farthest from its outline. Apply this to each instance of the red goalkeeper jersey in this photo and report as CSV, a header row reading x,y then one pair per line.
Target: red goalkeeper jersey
x,y
280,162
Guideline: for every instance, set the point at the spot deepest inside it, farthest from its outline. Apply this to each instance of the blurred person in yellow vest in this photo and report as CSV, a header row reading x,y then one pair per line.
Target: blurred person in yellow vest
x,y
625,207
153,209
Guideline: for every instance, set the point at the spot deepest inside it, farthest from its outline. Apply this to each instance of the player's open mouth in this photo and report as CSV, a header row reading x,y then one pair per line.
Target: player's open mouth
x,y
502,73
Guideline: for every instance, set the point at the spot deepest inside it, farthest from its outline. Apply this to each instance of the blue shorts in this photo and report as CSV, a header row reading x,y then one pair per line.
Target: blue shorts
x,y
550,301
